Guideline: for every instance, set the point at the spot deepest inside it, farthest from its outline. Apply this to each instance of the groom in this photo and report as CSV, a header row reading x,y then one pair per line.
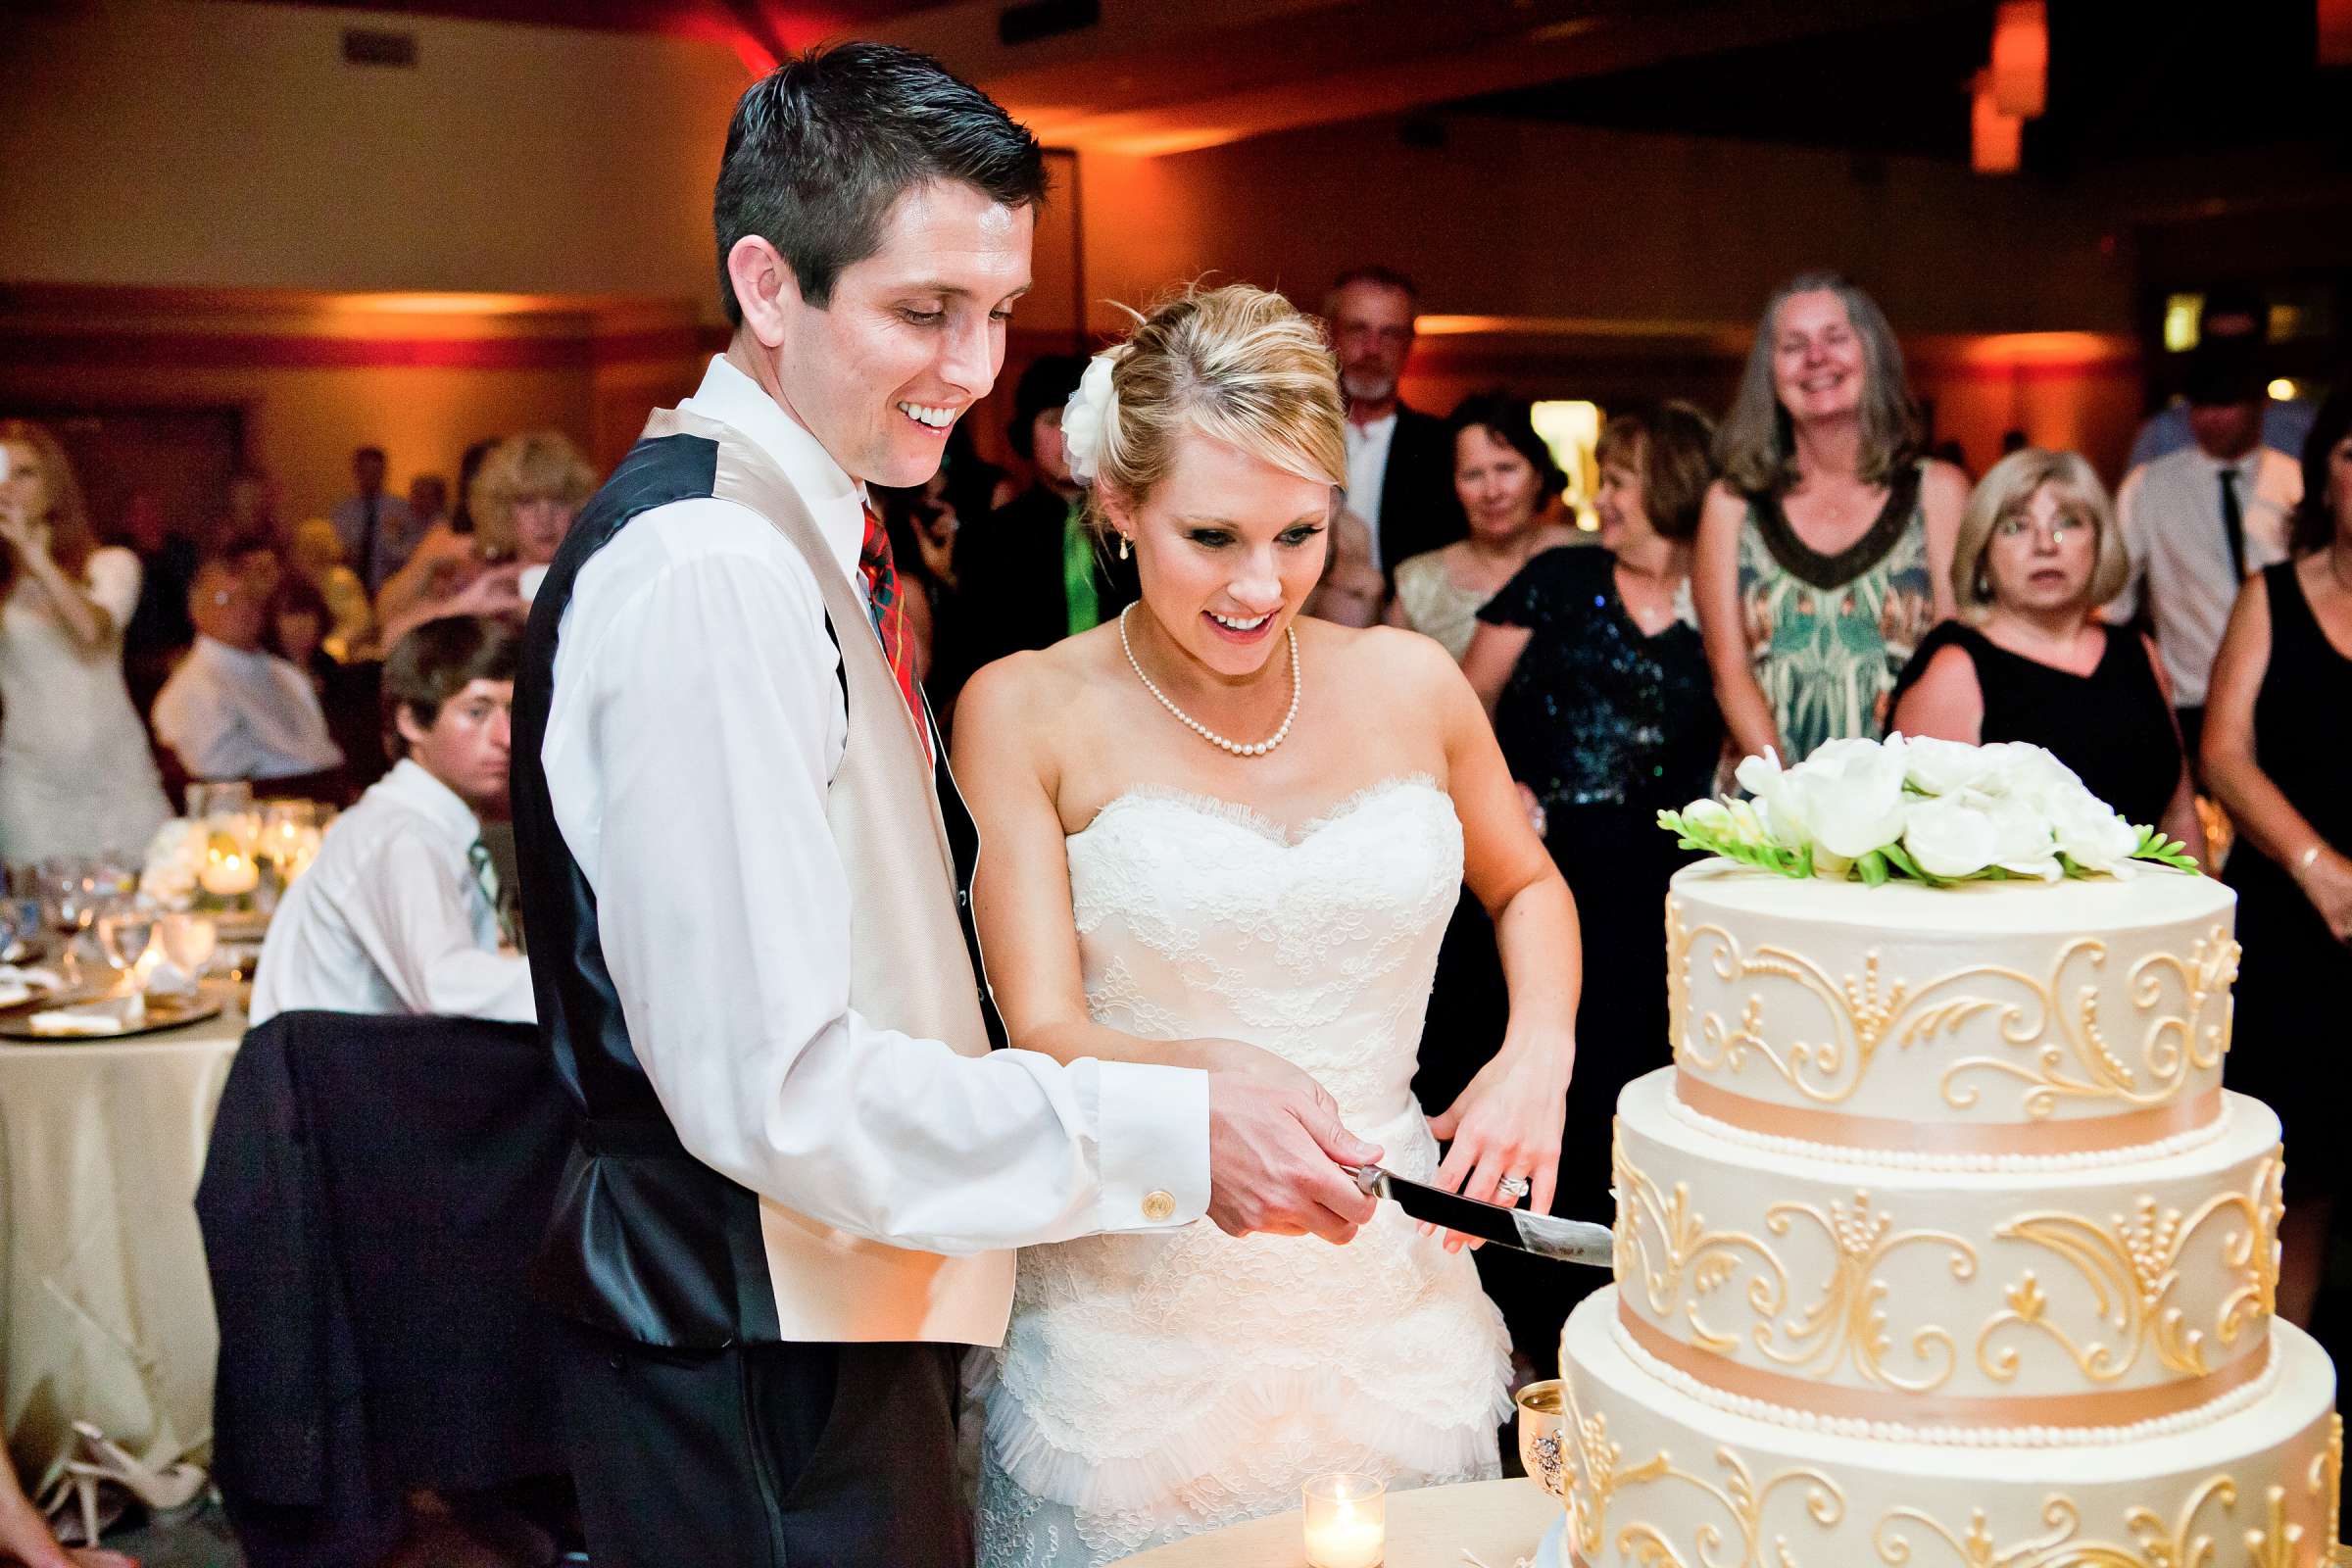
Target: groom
x,y
746,872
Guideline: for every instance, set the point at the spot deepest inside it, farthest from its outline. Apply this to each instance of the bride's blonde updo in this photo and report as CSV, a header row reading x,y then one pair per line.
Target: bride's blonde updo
x,y
1239,365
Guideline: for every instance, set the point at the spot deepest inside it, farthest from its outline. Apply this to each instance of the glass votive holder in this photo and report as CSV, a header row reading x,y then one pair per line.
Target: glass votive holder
x,y
1542,1416
1347,1521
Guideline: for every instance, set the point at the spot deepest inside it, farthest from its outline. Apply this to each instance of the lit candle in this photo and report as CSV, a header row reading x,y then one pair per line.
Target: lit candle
x,y
227,874
1347,1522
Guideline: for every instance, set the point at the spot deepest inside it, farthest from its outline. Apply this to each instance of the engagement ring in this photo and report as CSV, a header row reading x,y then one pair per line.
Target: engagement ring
x,y
1513,1188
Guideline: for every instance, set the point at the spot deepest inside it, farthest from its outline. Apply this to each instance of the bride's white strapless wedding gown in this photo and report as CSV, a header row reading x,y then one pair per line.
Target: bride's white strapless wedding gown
x,y
1157,1384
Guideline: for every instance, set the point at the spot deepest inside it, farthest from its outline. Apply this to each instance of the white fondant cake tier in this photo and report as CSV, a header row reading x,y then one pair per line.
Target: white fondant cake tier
x,y
2109,1296
2002,1017
1656,1477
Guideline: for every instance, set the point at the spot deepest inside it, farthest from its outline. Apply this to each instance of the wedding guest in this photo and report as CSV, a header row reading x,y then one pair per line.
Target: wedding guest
x,y
401,911
1399,461
75,775
1033,571
428,502
528,490
1504,477
2232,315
317,559
2028,660
234,709
158,628
295,628
1591,664
25,1537
2274,755
2201,520
1824,551
377,528
469,466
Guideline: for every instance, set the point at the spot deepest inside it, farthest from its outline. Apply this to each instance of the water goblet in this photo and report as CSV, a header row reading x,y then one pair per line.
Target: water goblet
x,y
123,931
188,942
1542,1410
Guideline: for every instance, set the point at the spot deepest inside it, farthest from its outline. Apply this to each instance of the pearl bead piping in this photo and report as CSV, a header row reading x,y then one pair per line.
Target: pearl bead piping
x,y
1260,748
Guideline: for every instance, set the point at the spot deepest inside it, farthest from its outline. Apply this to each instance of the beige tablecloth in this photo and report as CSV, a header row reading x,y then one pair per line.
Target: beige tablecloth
x,y
1499,1522
106,1312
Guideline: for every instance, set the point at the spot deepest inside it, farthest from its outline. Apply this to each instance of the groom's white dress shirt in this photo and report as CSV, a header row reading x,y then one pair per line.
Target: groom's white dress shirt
x,y
696,720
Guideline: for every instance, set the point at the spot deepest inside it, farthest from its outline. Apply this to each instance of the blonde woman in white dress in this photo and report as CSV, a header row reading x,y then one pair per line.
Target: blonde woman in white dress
x,y
1219,834
77,777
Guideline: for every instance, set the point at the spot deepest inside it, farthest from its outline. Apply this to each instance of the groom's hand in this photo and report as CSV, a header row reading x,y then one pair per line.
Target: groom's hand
x,y
1279,1161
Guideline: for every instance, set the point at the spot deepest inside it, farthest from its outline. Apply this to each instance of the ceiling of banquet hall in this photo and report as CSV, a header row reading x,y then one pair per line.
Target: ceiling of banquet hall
x,y
1871,76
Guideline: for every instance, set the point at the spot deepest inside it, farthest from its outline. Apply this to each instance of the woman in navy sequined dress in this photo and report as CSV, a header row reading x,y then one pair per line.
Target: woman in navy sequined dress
x,y
1592,663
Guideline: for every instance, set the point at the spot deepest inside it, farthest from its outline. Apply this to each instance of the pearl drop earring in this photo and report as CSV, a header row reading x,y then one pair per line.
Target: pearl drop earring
x,y
1122,546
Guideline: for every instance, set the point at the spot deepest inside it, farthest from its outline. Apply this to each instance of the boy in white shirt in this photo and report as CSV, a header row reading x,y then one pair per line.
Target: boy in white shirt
x,y
401,912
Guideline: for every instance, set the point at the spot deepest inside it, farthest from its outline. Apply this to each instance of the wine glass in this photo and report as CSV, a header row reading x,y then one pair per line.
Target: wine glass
x,y
188,942
125,930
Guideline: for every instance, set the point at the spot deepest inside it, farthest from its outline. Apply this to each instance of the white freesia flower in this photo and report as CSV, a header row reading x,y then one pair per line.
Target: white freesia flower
x,y
1084,417
1950,835
1850,795
2028,773
2088,831
1709,814
1781,808
1947,767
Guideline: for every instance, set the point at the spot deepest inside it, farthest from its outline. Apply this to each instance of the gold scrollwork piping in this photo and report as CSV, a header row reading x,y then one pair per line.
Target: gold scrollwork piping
x,y
2154,1544
2325,1480
1847,1321
1596,1474
2069,1058
2132,1264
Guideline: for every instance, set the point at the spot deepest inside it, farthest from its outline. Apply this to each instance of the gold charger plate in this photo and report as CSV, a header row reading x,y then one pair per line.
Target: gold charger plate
x,y
163,1012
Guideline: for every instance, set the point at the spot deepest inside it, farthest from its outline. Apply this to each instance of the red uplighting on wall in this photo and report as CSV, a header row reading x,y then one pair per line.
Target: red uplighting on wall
x,y
1995,140
2021,58
2335,32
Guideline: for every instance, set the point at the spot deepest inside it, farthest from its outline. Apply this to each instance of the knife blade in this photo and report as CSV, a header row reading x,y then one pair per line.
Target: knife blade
x,y
1564,1241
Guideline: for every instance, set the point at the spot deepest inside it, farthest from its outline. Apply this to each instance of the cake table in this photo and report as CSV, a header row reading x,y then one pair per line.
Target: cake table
x,y
1499,1522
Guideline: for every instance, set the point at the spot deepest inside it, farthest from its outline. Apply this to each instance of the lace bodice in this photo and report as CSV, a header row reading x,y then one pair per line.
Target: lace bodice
x,y
1157,1383
1197,917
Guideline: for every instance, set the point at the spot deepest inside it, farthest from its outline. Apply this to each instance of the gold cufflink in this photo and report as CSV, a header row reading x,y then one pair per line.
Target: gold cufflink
x,y
1158,1206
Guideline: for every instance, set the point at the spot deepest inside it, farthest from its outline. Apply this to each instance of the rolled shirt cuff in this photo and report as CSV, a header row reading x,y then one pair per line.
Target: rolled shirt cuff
x,y
1152,1126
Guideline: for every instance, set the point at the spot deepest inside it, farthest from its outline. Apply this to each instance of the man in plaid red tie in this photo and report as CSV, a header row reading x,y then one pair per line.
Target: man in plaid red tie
x,y
745,871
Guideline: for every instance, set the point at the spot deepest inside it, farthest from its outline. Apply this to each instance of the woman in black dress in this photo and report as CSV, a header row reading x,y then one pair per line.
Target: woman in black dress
x,y
2274,749
1592,663
2038,552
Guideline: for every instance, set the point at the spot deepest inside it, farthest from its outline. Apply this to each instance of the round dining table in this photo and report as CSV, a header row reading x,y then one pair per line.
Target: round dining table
x,y
106,1309
1496,1523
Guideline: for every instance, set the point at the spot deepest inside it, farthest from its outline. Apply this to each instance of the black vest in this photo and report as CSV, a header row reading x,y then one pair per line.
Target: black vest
x,y
646,1241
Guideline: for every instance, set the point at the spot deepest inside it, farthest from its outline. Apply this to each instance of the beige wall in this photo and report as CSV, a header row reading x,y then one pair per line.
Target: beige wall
x,y
163,142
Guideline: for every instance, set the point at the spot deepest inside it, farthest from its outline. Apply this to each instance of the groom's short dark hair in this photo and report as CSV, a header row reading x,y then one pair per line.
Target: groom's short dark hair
x,y
820,147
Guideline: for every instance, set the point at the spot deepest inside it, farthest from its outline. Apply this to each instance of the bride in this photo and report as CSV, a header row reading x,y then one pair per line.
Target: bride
x,y
1218,834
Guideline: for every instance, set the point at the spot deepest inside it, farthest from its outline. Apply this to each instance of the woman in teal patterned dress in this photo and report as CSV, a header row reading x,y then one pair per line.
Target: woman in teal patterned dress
x,y
1824,551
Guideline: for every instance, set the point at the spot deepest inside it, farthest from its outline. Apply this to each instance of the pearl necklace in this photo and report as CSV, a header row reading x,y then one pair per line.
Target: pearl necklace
x,y
1203,730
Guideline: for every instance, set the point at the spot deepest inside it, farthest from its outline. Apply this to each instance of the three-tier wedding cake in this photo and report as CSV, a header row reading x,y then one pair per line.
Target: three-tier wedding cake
x,y
1940,1243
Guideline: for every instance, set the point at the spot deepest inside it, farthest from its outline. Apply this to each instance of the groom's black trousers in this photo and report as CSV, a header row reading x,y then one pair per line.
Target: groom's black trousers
x,y
764,1455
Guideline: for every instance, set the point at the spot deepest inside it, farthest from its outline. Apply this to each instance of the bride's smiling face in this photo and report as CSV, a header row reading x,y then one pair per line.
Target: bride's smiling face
x,y
1227,547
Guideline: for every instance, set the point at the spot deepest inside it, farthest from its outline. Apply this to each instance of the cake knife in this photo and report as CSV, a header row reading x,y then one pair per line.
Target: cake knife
x,y
1565,1241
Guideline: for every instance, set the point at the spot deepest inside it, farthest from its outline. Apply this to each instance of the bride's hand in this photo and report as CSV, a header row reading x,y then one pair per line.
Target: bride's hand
x,y
1259,1064
1508,1123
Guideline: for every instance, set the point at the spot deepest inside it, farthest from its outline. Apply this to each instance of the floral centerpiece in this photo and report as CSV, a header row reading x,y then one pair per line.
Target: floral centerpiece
x,y
1927,811
193,864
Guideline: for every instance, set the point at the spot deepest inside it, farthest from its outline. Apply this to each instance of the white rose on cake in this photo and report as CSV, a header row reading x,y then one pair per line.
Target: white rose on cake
x,y
1968,833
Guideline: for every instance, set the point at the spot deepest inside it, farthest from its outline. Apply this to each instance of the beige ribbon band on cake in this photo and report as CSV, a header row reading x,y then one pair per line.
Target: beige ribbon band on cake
x,y
2116,1407
1843,1130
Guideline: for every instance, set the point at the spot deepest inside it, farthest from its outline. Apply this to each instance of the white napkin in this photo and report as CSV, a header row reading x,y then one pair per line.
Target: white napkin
x,y
111,1016
168,979
16,985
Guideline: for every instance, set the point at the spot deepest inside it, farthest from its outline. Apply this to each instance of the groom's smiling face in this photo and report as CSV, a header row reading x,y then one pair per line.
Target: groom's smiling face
x,y
912,337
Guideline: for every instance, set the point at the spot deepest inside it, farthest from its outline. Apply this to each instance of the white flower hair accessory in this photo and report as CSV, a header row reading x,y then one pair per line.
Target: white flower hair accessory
x,y
1085,418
